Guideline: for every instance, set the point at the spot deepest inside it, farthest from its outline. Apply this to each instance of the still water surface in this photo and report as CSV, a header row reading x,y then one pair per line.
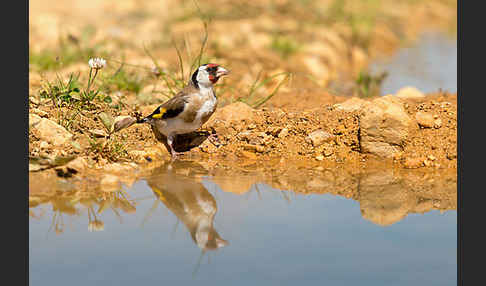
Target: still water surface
x,y
180,229
428,64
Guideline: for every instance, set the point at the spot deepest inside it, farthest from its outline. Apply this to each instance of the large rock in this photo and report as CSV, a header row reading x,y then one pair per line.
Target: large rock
x,y
384,126
48,130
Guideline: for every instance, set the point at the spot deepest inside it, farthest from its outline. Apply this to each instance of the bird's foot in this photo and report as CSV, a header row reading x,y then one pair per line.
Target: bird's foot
x,y
213,138
175,155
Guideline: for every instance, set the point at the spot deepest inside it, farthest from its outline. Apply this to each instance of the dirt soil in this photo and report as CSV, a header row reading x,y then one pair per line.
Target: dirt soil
x,y
270,134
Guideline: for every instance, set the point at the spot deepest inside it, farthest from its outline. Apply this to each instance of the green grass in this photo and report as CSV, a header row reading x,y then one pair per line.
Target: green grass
x,y
61,91
64,94
285,46
70,50
123,81
112,149
251,98
368,85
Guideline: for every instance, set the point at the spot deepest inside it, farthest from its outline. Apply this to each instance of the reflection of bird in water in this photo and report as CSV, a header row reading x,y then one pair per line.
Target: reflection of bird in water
x,y
190,201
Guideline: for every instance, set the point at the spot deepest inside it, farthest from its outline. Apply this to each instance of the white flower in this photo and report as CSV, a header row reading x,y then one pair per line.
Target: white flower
x,y
155,71
97,63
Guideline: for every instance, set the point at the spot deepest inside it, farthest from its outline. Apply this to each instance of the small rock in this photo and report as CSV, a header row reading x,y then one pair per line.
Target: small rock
x,y
424,120
122,122
256,148
43,145
39,112
437,123
34,100
328,152
431,157
48,130
78,164
319,157
246,136
98,133
319,137
76,145
451,156
283,133
340,129
34,119
274,131
35,167
413,163
409,92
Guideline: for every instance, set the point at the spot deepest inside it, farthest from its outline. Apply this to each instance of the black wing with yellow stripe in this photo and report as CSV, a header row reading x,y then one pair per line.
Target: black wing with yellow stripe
x,y
174,106
170,108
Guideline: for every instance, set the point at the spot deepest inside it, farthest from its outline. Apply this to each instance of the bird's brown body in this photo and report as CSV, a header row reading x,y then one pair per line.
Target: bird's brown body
x,y
188,110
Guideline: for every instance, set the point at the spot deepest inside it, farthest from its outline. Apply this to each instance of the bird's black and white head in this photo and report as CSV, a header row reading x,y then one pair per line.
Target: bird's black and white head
x,y
207,75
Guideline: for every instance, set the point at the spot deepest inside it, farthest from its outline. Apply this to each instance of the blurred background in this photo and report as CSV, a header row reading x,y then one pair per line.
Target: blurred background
x,y
286,53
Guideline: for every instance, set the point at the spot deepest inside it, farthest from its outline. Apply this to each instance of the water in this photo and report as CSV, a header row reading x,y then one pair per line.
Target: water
x,y
429,64
180,228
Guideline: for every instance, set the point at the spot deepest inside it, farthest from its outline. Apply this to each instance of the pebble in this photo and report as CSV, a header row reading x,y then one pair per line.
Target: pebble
x,y
319,137
328,152
424,120
256,148
283,133
438,123
34,100
412,163
39,112
98,132
43,145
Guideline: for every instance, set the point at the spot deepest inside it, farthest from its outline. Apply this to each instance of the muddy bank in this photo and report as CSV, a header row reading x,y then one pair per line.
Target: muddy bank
x,y
409,132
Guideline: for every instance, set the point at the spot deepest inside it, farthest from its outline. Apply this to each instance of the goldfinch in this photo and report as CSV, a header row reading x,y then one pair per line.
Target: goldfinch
x,y
189,109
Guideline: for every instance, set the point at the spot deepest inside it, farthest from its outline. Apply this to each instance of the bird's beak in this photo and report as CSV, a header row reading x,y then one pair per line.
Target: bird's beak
x,y
222,71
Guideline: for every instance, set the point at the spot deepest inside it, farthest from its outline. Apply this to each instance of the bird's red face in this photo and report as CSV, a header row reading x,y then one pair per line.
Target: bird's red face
x,y
208,74
215,72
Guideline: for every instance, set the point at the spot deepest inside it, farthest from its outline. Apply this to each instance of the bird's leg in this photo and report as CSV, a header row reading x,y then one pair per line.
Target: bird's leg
x,y
213,138
170,141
